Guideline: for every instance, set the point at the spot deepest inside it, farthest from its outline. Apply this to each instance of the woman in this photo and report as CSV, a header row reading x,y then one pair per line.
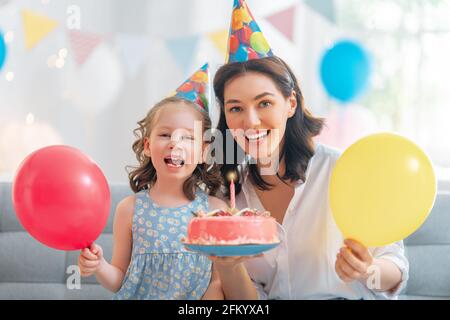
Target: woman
x,y
262,97
286,173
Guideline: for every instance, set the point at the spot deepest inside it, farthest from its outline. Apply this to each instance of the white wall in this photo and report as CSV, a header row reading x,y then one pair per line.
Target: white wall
x,y
107,137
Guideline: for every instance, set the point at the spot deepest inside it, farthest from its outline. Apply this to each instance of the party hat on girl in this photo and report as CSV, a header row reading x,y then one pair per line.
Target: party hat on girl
x,y
246,41
196,88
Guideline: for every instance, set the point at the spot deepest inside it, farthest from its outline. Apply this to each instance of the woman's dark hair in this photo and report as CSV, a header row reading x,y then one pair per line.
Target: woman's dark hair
x,y
143,176
298,147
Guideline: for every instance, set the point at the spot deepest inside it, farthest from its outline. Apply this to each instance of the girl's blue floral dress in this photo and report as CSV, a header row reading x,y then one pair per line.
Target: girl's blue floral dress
x,y
160,266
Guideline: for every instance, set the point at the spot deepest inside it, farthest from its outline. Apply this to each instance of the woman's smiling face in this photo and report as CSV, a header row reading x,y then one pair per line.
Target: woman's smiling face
x,y
256,112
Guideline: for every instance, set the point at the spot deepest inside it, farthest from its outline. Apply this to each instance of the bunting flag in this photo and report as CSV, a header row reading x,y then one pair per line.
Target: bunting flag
x,y
183,50
220,40
83,44
324,7
36,27
284,21
133,50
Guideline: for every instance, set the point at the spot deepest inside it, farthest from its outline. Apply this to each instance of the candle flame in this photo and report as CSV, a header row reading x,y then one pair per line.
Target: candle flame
x,y
231,176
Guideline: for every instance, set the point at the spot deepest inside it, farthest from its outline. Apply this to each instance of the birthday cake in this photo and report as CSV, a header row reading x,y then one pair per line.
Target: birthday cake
x,y
232,227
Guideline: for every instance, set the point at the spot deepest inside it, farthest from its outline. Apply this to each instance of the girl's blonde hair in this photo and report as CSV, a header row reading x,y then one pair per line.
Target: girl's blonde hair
x,y
143,176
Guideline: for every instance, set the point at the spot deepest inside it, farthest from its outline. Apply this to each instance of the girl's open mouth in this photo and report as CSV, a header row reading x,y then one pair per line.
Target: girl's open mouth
x,y
174,162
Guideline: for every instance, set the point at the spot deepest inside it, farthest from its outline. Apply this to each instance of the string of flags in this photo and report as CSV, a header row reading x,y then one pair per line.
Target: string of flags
x,y
284,21
133,49
326,8
36,27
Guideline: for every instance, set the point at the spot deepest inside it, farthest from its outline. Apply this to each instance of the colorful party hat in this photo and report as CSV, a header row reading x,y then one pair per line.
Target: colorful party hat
x,y
246,41
196,88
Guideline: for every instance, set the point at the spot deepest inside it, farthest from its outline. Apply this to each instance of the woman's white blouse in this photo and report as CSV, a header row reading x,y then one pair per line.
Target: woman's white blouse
x,y
302,267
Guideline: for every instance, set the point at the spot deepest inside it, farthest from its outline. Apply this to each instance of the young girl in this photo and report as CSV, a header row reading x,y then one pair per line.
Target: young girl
x,y
149,260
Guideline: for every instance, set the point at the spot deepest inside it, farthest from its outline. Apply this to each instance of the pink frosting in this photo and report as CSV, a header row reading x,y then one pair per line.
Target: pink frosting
x,y
232,230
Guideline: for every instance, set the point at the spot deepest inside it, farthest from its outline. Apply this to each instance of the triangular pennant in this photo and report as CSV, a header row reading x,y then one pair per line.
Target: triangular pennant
x,y
220,40
36,27
183,50
324,7
133,50
83,44
283,21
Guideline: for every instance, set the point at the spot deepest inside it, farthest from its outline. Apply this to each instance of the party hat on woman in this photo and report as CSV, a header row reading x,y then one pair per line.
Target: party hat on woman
x,y
246,41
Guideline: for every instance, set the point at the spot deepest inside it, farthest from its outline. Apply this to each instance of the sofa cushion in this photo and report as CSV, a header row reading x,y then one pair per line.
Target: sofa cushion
x,y
435,229
30,270
8,218
23,259
428,252
51,291
31,291
88,292
429,270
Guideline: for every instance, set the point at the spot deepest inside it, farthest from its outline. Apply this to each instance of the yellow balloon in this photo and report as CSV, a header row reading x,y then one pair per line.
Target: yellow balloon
x,y
382,189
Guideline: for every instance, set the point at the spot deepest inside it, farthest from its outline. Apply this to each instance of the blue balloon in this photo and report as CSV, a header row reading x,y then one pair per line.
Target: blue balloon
x,y
2,51
345,71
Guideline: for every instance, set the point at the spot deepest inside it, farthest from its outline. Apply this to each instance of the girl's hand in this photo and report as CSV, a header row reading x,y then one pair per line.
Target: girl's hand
x,y
353,261
90,259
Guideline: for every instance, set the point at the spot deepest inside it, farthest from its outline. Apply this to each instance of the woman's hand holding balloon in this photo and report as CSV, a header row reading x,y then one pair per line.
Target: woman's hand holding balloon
x,y
353,261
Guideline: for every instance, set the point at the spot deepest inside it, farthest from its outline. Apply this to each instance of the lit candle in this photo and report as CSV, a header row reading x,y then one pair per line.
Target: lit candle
x,y
231,177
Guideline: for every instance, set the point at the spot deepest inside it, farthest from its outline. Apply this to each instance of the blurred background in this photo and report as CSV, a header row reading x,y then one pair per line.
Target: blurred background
x,y
82,73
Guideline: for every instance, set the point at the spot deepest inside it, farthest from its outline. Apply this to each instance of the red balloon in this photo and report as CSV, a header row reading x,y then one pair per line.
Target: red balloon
x,y
61,197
